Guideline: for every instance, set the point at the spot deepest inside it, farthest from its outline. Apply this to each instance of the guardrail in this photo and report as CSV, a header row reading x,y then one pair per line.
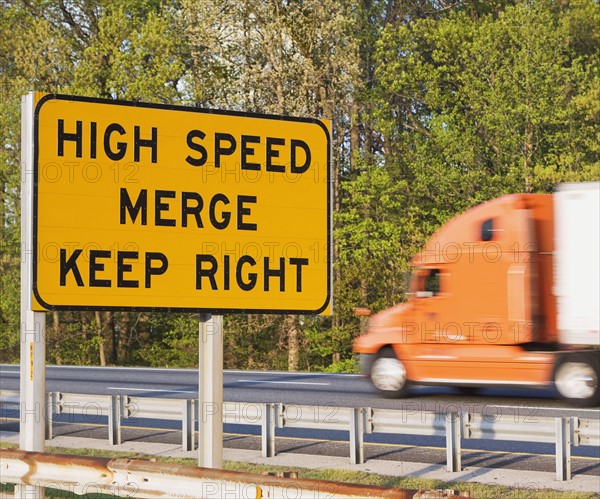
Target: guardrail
x,y
564,432
139,478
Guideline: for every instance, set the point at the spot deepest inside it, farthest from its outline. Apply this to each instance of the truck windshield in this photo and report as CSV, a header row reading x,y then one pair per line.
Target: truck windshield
x,y
425,282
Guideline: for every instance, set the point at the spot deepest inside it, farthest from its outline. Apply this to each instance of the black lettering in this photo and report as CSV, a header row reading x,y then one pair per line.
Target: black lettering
x,y
133,210
138,143
223,151
191,210
298,262
69,265
123,267
245,285
275,273
294,168
242,211
151,270
160,207
210,272
254,139
76,137
196,134
121,146
273,153
226,272
93,139
98,267
226,216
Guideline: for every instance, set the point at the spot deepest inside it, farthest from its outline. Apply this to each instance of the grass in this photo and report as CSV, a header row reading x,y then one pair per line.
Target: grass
x,y
475,490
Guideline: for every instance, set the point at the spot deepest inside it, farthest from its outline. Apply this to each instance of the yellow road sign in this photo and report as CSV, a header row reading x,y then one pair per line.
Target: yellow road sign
x,y
142,206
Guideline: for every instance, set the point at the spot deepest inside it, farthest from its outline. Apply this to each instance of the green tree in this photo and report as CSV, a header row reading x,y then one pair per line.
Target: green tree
x,y
36,59
135,56
173,341
296,58
493,103
435,106
127,49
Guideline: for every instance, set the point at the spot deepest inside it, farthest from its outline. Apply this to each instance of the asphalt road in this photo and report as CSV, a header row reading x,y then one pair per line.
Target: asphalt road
x,y
320,390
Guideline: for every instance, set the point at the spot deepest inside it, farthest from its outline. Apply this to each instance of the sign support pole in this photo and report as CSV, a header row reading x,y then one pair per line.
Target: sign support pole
x,y
33,408
210,391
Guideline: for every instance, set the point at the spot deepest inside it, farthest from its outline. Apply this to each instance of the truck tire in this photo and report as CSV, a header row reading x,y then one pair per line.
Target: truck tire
x,y
576,379
388,374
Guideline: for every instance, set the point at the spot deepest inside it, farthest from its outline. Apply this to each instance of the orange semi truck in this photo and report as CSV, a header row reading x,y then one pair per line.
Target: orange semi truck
x,y
505,294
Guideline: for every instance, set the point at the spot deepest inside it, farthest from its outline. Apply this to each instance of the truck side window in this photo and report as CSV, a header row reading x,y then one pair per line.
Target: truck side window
x,y
487,230
432,282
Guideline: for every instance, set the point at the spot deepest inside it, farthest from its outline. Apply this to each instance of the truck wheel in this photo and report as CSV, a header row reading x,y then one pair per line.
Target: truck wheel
x,y
576,379
388,374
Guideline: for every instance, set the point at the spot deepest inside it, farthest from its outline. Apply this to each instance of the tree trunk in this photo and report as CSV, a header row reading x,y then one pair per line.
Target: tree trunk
x,y
124,331
56,337
293,334
101,351
354,135
114,334
527,154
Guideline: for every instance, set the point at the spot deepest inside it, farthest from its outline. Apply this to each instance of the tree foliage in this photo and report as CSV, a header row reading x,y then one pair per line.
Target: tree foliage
x,y
436,106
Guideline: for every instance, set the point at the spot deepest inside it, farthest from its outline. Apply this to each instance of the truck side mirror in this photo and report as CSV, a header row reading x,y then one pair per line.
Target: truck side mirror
x,y
362,312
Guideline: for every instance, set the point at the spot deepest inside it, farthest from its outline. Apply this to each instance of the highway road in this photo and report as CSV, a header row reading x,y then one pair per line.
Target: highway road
x,y
343,390
321,390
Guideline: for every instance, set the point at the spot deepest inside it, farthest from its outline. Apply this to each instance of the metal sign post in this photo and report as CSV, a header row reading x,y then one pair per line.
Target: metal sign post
x,y
210,391
33,340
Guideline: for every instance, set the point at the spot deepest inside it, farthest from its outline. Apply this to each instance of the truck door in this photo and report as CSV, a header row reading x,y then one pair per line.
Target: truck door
x,y
432,306
522,279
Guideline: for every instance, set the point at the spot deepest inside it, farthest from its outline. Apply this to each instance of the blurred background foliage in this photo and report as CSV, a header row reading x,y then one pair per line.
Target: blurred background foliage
x,y
436,105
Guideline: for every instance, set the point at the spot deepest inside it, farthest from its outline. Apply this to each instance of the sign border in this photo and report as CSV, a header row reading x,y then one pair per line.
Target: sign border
x,y
174,107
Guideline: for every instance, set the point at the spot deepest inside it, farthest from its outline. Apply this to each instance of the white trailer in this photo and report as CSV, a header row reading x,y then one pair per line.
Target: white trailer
x,y
577,263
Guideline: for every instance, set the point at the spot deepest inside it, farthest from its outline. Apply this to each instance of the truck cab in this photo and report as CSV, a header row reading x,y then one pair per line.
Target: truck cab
x,y
481,310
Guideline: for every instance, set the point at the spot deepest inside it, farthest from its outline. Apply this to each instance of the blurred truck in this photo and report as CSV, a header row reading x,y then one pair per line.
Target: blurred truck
x,y
505,294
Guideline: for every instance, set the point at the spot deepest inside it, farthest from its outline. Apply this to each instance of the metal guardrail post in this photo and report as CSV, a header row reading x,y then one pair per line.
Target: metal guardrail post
x,y
58,405
357,432
563,449
369,427
49,413
465,425
114,420
126,410
279,415
453,436
575,432
188,425
268,423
